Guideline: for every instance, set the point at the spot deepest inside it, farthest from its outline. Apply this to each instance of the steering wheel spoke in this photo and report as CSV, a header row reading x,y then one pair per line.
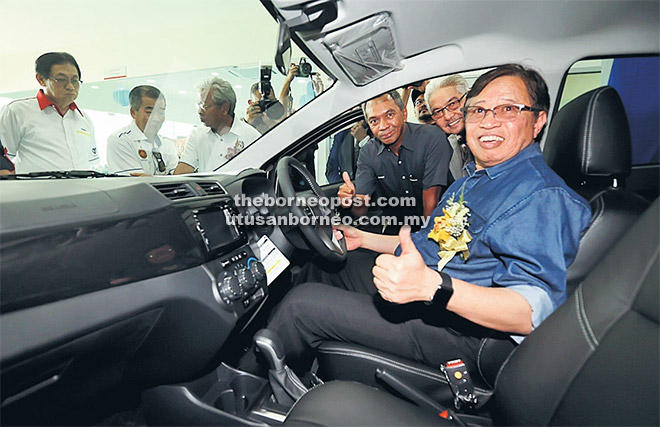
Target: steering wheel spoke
x,y
315,219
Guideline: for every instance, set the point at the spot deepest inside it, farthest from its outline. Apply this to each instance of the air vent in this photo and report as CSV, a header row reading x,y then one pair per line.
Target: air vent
x,y
175,191
212,188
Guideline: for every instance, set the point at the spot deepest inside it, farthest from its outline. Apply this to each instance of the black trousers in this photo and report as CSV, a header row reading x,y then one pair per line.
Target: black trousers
x,y
343,305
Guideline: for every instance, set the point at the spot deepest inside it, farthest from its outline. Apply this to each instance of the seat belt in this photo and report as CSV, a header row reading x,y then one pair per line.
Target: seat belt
x,y
460,383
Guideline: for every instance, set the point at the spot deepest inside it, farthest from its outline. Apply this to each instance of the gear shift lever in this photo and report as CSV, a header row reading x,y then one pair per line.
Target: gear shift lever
x,y
271,347
286,386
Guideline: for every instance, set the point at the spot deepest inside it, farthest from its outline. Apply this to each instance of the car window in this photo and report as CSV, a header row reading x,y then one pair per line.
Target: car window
x,y
174,50
636,81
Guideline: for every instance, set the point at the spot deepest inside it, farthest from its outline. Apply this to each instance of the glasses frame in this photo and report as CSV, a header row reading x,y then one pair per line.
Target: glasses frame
x,y
436,114
520,107
63,82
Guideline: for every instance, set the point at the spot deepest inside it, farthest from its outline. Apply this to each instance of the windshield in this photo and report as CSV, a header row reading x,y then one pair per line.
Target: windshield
x,y
154,87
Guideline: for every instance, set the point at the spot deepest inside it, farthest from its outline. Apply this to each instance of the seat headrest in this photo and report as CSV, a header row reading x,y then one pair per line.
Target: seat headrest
x,y
590,137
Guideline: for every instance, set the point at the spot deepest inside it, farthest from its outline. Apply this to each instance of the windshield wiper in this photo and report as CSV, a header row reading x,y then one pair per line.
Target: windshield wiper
x,y
59,174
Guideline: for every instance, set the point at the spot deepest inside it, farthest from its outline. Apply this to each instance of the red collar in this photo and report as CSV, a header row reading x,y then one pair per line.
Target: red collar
x,y
44,102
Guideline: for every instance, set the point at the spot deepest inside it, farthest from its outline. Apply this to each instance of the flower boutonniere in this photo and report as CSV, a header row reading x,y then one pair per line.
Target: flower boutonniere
x,y
450,230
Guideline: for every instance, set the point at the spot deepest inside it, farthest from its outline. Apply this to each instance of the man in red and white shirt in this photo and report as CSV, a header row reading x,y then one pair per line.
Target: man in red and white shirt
x,y
49,132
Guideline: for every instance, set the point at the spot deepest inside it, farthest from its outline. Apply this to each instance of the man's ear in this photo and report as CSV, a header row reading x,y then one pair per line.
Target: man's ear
x,y
132,112
225,108
41,79
541,119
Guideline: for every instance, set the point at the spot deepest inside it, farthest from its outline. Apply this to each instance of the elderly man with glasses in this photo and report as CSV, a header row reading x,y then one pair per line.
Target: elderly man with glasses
x,y
48,132
137,149
444,98
520,225
222,137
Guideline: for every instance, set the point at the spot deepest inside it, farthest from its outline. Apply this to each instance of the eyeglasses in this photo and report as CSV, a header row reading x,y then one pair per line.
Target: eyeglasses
x,y
63,82
159,161
203,107
503,113
452,106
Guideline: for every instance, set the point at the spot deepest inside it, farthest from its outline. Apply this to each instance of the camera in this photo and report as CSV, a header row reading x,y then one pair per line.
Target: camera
x,y
304,68
272,107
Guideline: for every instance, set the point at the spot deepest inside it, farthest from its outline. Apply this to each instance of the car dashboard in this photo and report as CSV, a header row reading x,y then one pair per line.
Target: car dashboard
x,y
115,281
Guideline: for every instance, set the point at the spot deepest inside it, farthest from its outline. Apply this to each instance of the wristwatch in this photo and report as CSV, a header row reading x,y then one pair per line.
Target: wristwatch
x,y
443,293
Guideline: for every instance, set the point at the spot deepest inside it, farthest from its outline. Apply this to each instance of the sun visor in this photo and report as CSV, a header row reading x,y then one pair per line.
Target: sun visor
x,y
365,50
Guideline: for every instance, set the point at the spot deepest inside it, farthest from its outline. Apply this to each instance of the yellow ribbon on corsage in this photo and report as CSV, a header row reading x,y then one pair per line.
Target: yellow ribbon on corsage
x,y
450,231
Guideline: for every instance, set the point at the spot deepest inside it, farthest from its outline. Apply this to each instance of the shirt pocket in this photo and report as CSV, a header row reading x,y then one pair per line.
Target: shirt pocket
x,y
476,223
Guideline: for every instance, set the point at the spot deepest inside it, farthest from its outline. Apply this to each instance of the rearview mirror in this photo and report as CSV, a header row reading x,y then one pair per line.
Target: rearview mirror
x,y
283,54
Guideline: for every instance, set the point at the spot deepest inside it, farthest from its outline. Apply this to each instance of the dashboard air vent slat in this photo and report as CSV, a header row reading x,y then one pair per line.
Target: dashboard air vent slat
x,y
175,191
212,188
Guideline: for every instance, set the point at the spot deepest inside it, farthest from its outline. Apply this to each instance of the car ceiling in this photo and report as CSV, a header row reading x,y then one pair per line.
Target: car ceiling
x,y
440,37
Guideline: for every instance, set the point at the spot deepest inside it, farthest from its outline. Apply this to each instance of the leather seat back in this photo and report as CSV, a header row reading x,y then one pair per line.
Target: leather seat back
x,y
588,145
595,360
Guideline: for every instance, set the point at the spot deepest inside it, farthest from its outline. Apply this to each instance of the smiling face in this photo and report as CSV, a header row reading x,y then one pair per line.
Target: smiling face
x,y
493,141
386,119
58,86
451,122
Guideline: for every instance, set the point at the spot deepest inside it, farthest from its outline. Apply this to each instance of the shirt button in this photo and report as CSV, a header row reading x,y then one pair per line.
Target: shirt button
x,y
399,161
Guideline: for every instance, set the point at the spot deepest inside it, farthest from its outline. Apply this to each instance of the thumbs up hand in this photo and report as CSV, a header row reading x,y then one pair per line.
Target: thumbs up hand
x,y
405,278
346,191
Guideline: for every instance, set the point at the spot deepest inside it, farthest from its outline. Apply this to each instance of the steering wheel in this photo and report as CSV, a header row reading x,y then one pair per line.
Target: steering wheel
x,y
314,218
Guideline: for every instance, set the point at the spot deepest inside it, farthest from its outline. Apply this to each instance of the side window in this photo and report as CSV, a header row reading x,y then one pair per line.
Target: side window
x,y
338,153
637,82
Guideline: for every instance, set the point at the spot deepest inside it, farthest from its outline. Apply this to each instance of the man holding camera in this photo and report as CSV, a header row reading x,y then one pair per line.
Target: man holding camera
x,y
223,137
264,110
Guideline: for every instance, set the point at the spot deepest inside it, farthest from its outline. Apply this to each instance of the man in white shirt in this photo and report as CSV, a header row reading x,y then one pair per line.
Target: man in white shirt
x,y
137,149
48,132
224,135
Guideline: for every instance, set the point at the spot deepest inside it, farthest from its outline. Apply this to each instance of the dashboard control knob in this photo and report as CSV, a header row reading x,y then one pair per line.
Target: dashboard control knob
x,y
258,271
230,289
246,279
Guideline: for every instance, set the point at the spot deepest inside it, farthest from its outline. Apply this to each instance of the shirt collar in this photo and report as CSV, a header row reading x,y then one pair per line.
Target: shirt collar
x,y
45,102
138,135
494,171
405,141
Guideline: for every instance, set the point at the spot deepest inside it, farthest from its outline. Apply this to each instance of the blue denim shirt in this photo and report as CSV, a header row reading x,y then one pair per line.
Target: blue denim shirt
x,y
525,224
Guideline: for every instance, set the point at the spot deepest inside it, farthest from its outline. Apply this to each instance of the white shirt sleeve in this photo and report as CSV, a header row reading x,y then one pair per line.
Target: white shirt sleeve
x,y
122,156
10,130
190,155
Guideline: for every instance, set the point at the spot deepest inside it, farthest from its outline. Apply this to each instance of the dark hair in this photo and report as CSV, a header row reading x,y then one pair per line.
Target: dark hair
x,y
394,94
138,92
536,86
415,94
45,62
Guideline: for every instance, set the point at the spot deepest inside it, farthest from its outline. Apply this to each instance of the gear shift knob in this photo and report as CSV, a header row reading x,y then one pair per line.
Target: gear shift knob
x,y
271,347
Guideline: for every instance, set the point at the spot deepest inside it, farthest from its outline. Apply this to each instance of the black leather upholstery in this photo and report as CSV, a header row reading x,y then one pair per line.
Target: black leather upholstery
x,y
588,145
344,403
594,361
589,138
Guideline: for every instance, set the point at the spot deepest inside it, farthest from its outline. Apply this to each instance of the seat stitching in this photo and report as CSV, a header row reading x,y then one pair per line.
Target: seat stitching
x,y
481,347
582,321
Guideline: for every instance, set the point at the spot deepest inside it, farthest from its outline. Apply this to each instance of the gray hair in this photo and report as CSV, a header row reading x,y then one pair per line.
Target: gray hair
x,y
455,80
138,92
394,94
221,92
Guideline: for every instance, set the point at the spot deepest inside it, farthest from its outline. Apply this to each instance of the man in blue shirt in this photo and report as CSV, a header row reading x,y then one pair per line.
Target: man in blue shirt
x,y
524,223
